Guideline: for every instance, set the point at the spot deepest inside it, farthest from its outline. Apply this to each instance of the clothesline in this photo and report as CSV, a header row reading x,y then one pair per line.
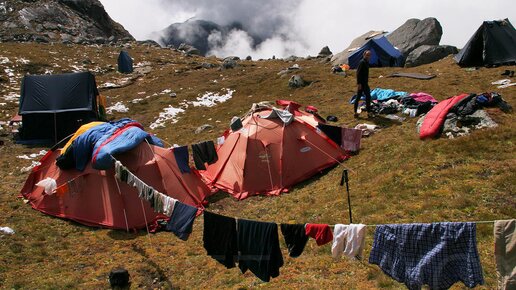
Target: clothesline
x,y
367,225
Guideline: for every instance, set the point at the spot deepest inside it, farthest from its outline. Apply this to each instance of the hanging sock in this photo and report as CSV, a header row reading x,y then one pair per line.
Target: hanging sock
x,y
168,205
348,240
295,238
320,232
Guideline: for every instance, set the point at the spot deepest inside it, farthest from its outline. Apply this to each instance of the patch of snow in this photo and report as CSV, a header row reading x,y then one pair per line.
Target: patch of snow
x,y
118,107
141,93
4,60
33,155
49,71
211,99
108,85
169,113
9,72
22,60
76,68
12,97
3,104
136,101
166,91
29,168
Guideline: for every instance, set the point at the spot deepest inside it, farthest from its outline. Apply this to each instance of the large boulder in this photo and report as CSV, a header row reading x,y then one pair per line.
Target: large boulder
x,y
342,57
415,33
325,51
428,54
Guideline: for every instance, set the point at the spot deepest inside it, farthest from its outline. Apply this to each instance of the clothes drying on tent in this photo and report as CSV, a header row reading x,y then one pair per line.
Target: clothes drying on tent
x,y
264,156
55,106
383,54
494,43
96,198
100,142
125,62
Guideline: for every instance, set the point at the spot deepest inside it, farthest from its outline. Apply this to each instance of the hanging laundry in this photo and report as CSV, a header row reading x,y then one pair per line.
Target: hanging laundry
x,y
204,152
220,238
333,132
348,240
505,253
258,247
236,124
320,232
181,155
168,205
438,254
181,220
351,139
295,238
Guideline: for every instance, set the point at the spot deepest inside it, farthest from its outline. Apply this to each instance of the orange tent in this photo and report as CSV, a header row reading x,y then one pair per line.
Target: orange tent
x,y
96,198
268,155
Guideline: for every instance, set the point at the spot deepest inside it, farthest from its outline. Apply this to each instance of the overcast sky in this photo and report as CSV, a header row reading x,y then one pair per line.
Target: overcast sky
x,y
303,27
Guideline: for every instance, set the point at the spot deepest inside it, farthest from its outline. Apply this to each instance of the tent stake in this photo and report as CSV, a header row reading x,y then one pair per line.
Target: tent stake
x,y
342,180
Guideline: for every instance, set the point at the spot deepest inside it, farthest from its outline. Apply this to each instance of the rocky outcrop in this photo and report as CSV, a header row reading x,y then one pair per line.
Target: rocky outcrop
x,y
67,21
342,57
428,54
414,33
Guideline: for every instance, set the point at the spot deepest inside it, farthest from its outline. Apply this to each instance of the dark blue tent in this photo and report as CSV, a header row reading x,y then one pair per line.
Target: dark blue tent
x,y
494,43
382,54
125,62
54,106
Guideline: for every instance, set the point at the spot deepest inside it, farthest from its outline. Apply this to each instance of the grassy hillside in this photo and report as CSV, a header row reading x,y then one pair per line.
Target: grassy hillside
x,y
396,178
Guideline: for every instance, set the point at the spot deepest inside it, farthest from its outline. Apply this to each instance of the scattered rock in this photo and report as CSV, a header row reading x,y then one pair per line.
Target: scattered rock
x,y
188,49
229,63
414,33
203,128
248,58
173,95
325,51
296,81
232,57
208,65
428,54
149,42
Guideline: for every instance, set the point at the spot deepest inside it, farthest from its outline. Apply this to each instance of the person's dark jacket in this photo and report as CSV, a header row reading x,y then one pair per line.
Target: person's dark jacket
x,y
363,72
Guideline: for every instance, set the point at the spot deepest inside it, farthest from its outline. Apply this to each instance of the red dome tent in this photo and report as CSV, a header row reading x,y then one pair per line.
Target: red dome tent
x,y
97,198
273,151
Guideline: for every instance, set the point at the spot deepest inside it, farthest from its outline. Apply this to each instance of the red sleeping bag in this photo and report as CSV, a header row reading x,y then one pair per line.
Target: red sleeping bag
x,y
435,118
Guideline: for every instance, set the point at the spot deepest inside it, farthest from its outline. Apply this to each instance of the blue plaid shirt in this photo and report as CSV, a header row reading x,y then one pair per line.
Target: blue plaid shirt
x,y
438,254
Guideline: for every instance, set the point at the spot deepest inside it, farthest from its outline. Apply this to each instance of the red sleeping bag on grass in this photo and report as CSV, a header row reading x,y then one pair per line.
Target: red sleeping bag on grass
x,y
435,118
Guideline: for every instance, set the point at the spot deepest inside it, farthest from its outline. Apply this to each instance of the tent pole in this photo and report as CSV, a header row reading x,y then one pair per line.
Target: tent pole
x,y
55,128
342,180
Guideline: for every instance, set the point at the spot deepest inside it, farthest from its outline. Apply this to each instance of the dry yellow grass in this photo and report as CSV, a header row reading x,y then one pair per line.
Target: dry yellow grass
x,y
396,177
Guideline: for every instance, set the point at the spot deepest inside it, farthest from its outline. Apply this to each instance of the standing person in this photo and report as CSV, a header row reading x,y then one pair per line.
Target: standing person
x,y
363,83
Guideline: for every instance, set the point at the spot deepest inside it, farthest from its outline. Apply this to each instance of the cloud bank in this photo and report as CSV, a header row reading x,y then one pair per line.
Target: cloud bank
x,y
303,27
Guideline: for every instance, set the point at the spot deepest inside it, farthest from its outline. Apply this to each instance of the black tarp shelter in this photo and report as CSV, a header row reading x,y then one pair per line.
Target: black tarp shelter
x,y
494,43
55,106
125,62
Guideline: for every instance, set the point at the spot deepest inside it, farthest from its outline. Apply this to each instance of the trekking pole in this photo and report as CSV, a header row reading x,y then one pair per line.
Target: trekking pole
x,y
342,180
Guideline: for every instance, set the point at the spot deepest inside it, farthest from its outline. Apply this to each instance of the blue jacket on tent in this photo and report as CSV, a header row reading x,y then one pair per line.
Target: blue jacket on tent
x,y
100,142
383,54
